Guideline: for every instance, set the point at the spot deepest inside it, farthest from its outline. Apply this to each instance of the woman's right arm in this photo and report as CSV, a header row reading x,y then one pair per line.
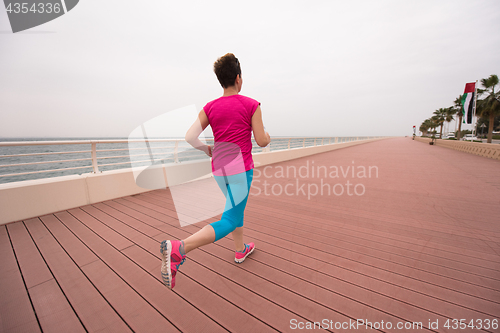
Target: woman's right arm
x,y
194,132
260,135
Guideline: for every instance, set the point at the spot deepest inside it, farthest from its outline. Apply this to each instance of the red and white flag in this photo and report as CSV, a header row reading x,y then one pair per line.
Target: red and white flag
x,y
468,102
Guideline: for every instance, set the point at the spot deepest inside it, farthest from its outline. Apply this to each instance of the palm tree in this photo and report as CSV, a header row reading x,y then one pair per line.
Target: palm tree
x,y
457,106
490,106
439,118
432,125
448,114
424,127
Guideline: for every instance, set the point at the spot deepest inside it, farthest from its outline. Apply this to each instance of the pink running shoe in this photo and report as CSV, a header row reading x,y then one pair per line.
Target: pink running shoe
x,y
170,261
241,256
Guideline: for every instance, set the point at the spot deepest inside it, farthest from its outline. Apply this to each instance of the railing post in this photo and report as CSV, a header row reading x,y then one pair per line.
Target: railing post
x,y
322,139
304,144
289,144
336,140
94,157
329,141
314,142
176,152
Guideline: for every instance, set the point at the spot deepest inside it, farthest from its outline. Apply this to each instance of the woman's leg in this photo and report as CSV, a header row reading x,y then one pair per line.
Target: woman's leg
x,y
238,239
236,189
239,245
204,236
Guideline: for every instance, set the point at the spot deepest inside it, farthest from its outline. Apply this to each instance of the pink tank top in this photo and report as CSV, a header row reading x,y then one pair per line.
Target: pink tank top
x,y
231,120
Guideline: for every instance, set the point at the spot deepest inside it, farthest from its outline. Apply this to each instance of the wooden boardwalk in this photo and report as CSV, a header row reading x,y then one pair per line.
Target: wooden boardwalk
x,y
419,241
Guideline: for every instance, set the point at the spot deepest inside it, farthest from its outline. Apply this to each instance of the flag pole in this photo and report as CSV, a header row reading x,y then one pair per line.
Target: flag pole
x,y
474,121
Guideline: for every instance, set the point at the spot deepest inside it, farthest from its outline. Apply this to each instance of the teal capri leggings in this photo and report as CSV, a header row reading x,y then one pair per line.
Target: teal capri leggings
x,y
236,189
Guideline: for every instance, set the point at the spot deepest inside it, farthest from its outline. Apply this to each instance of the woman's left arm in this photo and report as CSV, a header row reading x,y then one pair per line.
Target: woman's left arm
x,y
194,132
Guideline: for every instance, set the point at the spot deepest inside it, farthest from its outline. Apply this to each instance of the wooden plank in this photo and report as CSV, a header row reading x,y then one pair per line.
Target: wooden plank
x,y
338,230
464,300
287,215
394,217
135,311
33,268
443,277
227,314
425,315
260,308
148,286
399,252
389,228
94,311
477,290
132,307
461,274
466,273
300,303
302,295
400,301
148,251
16,311
344,225
386,276
54,312
295,209
332,298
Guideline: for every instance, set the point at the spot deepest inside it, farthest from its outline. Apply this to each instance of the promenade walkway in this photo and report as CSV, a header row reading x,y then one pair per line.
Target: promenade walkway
x,y
418,240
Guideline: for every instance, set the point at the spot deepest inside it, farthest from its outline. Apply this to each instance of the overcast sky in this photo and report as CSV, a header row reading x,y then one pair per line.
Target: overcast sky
x,y
319,68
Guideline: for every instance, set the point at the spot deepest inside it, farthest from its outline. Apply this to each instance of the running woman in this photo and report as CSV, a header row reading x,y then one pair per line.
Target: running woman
x,y
232,117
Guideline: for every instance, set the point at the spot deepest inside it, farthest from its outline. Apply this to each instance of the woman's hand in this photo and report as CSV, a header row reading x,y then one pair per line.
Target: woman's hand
x,y
208,150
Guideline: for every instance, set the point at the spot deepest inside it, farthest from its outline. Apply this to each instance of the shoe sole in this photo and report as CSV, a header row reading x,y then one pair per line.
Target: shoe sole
x,y
166,273
239,261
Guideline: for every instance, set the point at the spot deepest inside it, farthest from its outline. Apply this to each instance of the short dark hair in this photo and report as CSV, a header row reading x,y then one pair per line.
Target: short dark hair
x,y
227,69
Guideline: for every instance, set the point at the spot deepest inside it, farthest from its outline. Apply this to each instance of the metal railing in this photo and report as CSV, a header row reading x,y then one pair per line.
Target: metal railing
x,y
22,164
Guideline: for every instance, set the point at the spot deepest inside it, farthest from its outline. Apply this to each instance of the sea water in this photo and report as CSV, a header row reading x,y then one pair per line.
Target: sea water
x,y
80,154
107,153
